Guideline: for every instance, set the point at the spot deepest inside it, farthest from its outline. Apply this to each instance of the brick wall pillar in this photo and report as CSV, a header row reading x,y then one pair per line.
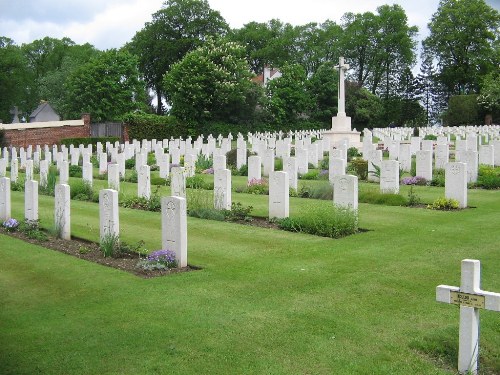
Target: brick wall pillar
x,y
86,124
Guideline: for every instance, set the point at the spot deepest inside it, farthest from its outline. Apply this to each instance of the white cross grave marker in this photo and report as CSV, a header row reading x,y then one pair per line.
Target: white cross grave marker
x,y
471,298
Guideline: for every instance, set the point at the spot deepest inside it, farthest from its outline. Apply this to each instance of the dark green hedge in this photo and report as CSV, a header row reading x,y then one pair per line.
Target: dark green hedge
x,y
87,141
147,126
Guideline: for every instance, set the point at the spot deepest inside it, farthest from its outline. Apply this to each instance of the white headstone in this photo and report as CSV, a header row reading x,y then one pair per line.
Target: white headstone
x,y
405,157
44,171
164,164
174,227
178,182
455,185
471,159
442,156
190,164
254,170
222,189
31,200
64,172
114,177
4,198
268,162
144,182
14,169
345,191
389,176
279,197
424,164
290,167
62,214
109,222
486,155
87,172
337,167
219,162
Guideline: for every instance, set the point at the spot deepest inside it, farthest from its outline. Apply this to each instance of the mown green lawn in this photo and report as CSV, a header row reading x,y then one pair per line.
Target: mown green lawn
x,y
265,301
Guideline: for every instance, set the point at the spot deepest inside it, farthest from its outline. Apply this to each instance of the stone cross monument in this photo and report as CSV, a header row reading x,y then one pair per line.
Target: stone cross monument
x,y
341,132
342,67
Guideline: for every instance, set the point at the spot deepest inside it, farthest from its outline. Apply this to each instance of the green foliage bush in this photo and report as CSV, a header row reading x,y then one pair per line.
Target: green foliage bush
x,y
310,175
438,177
324,163
326,221
359,167
130,163
75,171
430,137
76,142
197,182
376,197
141,125
203,163
140,203
238,212
444,204
488,177
462,110
81,190
352,152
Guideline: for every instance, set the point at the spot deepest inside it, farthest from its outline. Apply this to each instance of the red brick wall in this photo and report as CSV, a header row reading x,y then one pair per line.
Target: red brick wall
x,y
49,136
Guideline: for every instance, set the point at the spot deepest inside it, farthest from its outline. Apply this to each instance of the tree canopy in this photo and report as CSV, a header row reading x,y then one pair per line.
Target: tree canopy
x,y
108,86
462,39
212,83
176,29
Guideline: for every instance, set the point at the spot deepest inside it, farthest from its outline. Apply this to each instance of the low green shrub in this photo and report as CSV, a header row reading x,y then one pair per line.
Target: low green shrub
x,y
376,197
238,212
130,164
203,163
444,204
313,174
259,187
413,198
81,190
197,182
158,181
75,171
140,203
352,152
110,245
324,163
488,182
31,229
278,164
326,221
430,137
50,187
359,167
438,178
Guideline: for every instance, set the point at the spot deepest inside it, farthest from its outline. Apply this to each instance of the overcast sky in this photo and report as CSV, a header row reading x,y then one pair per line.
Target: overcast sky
x,y
111,23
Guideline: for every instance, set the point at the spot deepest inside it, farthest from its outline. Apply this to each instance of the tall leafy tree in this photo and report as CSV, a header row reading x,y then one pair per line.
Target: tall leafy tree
x,y
489,99
396,46
52,85
14,78
288,97
267,43
359,44
212,83
462,38
107,87
176,29
322,88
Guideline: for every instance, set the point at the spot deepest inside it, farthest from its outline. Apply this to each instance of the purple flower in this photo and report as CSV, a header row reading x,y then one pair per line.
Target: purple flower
x,y
256,181
208,171
165,257
417,180
10,224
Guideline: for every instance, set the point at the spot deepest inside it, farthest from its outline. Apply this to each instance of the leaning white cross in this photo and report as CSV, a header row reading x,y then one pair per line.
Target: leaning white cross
x,y
471,298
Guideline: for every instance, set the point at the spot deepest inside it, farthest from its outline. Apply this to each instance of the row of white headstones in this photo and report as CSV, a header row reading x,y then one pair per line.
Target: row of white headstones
x,y
174,228
173,209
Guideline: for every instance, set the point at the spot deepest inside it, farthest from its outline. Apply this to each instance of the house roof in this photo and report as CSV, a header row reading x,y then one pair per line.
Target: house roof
x,y
40,108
